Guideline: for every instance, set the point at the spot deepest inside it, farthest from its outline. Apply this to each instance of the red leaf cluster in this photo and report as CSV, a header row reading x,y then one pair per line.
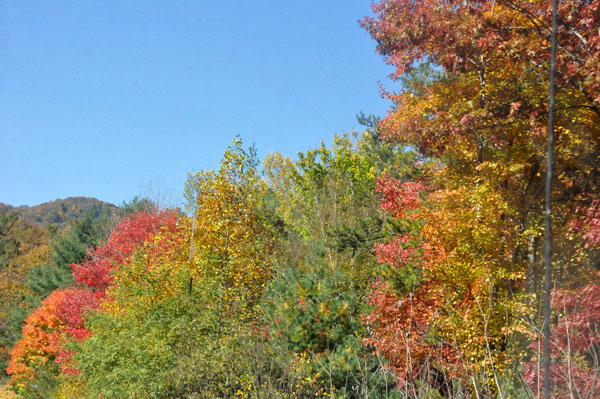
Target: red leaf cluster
x,y
400,198
400,330
124,239
453,34
59,317
575,340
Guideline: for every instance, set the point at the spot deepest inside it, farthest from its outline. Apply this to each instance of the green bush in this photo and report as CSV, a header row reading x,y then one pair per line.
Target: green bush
x,y
314,339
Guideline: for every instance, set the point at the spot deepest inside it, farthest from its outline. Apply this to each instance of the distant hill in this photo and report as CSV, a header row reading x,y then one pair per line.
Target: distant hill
x,y
61,211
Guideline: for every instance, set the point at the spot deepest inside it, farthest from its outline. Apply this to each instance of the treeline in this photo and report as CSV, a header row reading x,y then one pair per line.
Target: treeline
x,y
61,212
402,262
35,259
258,287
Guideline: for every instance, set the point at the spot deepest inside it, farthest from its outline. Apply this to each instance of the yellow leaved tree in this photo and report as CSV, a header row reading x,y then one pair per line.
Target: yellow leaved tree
x,y
231,243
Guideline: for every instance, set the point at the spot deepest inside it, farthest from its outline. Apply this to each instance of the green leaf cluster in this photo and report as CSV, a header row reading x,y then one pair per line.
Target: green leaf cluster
x,y
313,319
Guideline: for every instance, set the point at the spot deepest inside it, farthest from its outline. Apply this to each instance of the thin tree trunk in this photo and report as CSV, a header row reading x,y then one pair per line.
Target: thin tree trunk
x,y
548,210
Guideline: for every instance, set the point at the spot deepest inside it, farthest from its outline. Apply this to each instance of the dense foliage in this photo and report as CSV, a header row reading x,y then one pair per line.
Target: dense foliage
x,y
400,262
479,106
22,247
60,212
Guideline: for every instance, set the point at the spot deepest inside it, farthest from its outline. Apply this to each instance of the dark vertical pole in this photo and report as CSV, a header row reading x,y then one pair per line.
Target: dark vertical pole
x,y
548,207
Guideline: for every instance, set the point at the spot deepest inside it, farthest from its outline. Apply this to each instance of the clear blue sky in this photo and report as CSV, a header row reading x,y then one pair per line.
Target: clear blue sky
x,y
103,98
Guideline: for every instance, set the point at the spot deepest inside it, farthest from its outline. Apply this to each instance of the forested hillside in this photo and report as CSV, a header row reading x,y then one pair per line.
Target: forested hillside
x,y
402,261
35,259
59,212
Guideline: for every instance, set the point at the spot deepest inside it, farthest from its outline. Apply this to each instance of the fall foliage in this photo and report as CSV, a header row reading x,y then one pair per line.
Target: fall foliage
x,y
477,104
404,261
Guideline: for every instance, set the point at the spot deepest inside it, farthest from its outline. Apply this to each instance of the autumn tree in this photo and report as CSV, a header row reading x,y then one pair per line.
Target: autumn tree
x,y
327,200
96,271
22,248
575,336
60,317
142,316
231,243
327,197
43,353
191,291
480,110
